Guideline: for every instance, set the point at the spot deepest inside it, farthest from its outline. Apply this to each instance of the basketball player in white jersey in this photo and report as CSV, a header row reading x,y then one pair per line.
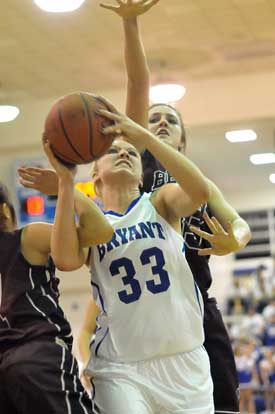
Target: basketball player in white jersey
x,y
147,354
229,231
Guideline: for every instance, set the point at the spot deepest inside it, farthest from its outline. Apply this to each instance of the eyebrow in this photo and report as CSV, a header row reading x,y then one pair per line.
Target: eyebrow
x,y
161,113
128,148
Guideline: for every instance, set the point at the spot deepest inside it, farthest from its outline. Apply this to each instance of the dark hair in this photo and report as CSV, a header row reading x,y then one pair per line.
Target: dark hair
x,y
5,198
183,133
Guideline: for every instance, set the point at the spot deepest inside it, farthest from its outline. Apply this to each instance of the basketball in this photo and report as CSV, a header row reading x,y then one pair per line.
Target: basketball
x,y
74,129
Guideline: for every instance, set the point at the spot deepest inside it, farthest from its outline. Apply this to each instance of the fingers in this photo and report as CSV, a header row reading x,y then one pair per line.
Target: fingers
x,y
209,223
230,228
115,129
108,114
110,107
27,176
218,225
34,171
109,6
27,184
201,233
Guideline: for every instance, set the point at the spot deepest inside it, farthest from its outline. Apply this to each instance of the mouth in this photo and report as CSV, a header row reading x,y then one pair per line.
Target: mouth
x,y
123,162
163,131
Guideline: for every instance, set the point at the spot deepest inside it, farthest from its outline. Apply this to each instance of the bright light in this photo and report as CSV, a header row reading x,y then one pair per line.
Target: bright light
x,y
8,113
166,93
59,6
257,159
242,135
272,178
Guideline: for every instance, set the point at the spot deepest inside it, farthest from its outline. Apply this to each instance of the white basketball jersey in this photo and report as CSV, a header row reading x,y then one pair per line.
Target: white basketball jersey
x,y
150,304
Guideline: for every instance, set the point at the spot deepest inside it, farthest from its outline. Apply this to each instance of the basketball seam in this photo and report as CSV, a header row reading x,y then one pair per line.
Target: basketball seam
x,y
90,124
65,133
64,158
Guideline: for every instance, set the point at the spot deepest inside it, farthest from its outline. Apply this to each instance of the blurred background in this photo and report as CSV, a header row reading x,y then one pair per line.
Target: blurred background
x,y
223,53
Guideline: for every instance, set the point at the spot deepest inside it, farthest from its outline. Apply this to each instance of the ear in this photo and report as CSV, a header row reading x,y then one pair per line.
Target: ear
x,y
141,181
6,211
96,181
181,147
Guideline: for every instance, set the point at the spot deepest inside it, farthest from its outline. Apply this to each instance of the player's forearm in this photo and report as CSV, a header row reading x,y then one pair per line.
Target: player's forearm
x,y
83,347
185,172
65,247
138,83
135,59
93,226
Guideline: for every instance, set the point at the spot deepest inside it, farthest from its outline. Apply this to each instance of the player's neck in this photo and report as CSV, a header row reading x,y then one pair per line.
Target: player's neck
x,y
119,201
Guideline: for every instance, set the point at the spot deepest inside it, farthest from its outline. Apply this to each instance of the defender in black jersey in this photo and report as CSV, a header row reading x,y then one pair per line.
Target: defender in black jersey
x,y
217,342
38,373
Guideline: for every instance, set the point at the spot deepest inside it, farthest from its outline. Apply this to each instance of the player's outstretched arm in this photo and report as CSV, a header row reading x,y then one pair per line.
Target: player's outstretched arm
x,y
138,75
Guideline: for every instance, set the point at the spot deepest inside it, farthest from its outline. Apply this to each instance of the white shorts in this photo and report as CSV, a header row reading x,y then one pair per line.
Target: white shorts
x,y
178,384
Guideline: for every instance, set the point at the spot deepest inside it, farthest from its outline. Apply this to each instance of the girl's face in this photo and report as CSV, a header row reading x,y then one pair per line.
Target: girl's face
x,y
121,160
165,123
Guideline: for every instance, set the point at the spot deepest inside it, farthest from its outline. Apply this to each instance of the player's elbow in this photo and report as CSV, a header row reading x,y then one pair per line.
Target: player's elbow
x,y
67,263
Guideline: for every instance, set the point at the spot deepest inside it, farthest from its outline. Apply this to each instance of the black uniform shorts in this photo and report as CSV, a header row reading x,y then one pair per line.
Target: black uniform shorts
x,y
222,362
41,377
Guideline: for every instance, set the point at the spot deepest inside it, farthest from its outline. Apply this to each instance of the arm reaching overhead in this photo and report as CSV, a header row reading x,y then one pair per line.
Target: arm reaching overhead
x,y
138,75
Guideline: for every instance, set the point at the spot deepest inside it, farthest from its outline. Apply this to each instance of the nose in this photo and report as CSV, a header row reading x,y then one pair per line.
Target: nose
x,y
123,153
163,122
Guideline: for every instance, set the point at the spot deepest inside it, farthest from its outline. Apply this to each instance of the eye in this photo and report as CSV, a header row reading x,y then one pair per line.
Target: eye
x,y
133,153
112,150
172,120
154,118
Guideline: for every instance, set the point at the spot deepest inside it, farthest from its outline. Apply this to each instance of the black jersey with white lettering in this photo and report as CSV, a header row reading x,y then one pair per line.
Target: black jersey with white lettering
x,y
154,176
28,297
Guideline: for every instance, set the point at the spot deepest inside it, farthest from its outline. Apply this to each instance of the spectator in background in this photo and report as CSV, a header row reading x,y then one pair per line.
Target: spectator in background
x,y
253,324
247,374
237,302
269,332
269,311
261,289
267,373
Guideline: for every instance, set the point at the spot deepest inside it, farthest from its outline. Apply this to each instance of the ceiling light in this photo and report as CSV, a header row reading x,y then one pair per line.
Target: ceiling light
x,y
268,158
242,135
59,6
166,92
272,178
8,113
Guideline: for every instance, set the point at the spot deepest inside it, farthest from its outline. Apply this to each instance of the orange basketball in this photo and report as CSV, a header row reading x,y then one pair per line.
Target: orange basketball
x,y
74,130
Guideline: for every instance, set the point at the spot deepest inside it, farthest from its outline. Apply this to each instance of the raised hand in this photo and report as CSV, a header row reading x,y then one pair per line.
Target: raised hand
x,y
130,9
222,242
124,127
43,180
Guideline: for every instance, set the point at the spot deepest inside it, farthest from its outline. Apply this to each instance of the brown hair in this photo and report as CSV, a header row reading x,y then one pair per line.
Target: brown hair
x,y
5,199
183,133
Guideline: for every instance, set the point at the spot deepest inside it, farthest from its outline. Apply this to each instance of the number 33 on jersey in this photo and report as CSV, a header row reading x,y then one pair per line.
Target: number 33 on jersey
x,y
141,281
